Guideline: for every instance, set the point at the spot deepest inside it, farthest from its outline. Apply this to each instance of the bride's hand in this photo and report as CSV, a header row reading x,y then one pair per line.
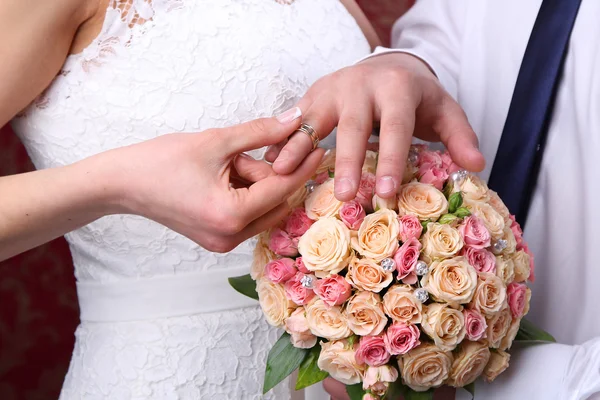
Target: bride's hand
x,y
183,181
401,92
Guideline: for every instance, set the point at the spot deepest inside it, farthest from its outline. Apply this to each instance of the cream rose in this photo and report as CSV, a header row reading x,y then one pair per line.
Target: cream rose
x,y
325,321
366,274
521,263
297,199
496,202
452,280
490,218
274,303
338,359
377,237
422,200
469,363
327,163
325,247
441,241
527,301
425,366
496,365
508,340
262,255
498,326
444,324
401,305
511,243
365,315
505,269
473,189
490,294
370,164
297,326
322,203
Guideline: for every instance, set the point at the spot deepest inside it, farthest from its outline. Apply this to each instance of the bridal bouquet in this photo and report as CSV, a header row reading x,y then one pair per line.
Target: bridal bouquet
x,y
394,296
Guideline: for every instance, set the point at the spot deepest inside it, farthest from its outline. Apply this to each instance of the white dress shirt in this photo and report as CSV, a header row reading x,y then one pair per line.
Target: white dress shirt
x,y
475,48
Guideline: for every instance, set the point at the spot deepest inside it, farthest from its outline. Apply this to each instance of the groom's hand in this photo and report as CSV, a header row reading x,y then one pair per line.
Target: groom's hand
x,y
400,92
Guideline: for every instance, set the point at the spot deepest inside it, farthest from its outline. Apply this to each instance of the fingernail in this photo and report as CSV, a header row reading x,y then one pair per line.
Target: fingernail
x,y
343,185
386,184
290,115
247,156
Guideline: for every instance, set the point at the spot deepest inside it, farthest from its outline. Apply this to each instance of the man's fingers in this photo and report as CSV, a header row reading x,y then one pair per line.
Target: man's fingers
x,y
458,136
274,150
268,193
354,129
251,170
258,133
336,390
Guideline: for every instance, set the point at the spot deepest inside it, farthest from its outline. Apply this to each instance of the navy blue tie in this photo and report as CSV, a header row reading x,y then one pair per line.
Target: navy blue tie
x,y
517,163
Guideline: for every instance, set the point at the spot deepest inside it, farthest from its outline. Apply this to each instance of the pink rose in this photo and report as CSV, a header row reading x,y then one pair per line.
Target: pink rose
x,y
525,248
449,164
430,158
475,324
322,177
515,227
410,227
474,233
281,270
400,338
372,351
517,297
406,259
433,175
480,259
296,292
366,190
352,214
333,290
301,267
283,244
298,223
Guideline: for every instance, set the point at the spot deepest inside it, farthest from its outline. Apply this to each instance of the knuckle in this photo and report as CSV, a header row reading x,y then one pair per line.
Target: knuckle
x,y
398,77
391,161
218,245
259,126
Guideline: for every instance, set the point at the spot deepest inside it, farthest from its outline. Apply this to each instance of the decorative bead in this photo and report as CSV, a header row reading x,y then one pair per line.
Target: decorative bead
x,y
307,281
388,264
459,176
422,268
499,246
413,156
311,186
421,295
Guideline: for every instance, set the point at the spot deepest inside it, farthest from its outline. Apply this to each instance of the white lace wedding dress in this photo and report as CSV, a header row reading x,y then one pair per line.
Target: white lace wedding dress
x,y
159,320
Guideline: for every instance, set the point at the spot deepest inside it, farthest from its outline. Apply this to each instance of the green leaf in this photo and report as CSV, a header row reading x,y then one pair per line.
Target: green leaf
x,y
471,389
352,339
447,218
424,225
462,212
530,332
283,359
245,285
309,372
454,202
331,173
355,392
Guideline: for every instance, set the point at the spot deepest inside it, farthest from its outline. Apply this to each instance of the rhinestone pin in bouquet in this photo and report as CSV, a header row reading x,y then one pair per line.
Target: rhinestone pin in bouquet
x,y
397,296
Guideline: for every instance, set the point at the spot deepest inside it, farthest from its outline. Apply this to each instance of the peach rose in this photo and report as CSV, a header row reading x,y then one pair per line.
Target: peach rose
x,y
297,199
410,227
422,200
338,358
333,290
401,305
425,366
527,301
511,243
490,218
505,269
445,325
325,247
496,365
262,256
378,379
498,326
322,203
498,205
297,326
490,294
377,237
274,303
365,315
507,340
325,321
366,274
521,263
452,281
473,189
441,241
469,363
379,203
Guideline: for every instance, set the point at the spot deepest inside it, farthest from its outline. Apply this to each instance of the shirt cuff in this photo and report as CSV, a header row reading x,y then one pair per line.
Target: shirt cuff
x,y
444,77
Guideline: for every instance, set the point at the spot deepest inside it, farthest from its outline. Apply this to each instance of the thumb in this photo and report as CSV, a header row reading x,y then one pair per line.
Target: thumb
x,y
260,132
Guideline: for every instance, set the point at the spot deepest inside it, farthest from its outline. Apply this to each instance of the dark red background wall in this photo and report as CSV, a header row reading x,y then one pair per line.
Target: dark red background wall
x,y
38,304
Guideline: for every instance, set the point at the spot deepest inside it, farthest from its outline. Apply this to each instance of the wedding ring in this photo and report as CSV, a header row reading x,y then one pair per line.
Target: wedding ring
x,y
311,133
